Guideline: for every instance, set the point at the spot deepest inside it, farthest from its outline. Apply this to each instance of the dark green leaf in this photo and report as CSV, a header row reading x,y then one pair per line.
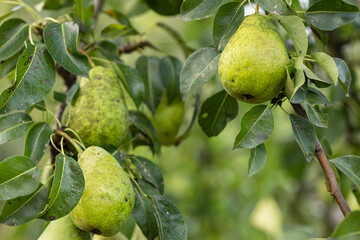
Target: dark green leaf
x,y
326,146
108,50
344,74
148,68
84,14
304,134
23,209
256,126
328,64
150,172
257,159
144,211
198,69
328,15
165,7
227,20
19,176
66,190
199,9
36,141
216,112
314,114
348,227
295,28
278,7
350,166
142,123
8,65
121,18
60,97
170,221
311,75
131,81
13,34
61,42
72,94
170,69
13,126
315,97
35,77
115,30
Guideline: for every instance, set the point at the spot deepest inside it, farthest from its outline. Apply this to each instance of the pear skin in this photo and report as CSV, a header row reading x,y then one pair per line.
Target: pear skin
x,y
252,67
63,229
99,114
108,199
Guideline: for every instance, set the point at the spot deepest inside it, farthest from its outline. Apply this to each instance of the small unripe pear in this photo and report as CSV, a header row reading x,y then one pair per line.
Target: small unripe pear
x,y
108,198
252,67
63,229
100,115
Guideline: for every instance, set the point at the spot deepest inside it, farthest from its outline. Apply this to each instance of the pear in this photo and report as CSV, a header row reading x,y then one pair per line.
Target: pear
x,y
118,236
167,120
99,114
63,229
108,198
252,67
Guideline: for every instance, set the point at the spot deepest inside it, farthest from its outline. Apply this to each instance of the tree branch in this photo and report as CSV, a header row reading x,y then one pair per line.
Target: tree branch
x,y
130,47
328,171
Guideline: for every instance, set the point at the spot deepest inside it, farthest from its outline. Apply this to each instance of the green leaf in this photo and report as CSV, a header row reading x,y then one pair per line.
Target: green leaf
x,y
84,14
66,190
289,85
72,94
328,15
314,114
311,75
8,65
315,97
148,68
344,74
226,22
348,227
169,69
170,221
115,30
350,166
326,146
109,50
198,69
216,112
200,9
165,7
19,176
35,77
60,97
295,28
304,134
142,123
144,211
36,141
278,7
23,209
257,159
299,78
13,126
121,18
131,81
61,42
328,64
150,172
13,34
256,126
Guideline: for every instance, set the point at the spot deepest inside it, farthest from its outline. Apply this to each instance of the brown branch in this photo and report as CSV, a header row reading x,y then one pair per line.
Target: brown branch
x,y
328,171
130,47
98,6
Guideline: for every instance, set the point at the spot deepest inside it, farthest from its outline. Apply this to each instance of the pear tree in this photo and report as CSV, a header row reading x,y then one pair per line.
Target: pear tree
x,y
107,106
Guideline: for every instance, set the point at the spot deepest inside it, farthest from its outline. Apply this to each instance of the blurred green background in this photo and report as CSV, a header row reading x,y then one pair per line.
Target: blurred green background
x,y
208,180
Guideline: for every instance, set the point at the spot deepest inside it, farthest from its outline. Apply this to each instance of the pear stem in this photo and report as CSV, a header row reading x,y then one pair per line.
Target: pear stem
x,y
256,8
67,137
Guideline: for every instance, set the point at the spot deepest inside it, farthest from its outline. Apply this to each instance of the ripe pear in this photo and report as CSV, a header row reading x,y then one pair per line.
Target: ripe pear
x,y
252,67
108,199
63,229
118,236
167,120
99,114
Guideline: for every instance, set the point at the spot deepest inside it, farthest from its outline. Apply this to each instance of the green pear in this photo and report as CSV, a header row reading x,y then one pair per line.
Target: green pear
x,y
118,236
252,67
63,229
167,120
108,198
99,114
